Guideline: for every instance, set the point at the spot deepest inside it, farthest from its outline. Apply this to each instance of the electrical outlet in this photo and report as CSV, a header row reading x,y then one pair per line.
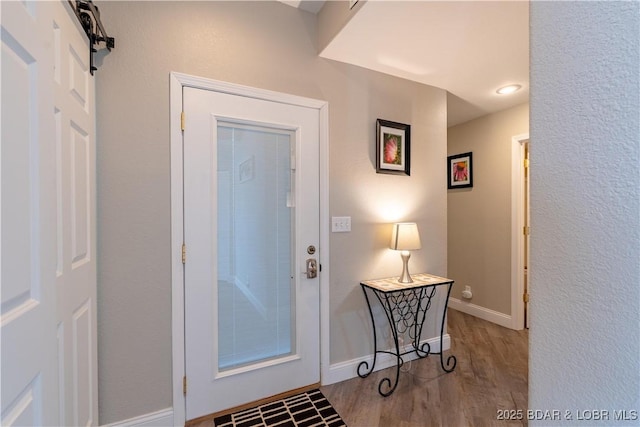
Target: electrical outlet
x,y
467,292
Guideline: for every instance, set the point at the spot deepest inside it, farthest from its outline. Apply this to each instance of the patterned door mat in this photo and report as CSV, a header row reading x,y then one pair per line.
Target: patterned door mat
x,y
310,409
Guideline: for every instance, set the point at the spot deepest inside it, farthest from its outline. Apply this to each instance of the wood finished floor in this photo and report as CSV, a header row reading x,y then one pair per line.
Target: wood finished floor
x,y
491,375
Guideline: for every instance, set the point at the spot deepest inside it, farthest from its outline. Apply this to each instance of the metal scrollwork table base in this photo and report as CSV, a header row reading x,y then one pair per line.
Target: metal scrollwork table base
x,y
406,306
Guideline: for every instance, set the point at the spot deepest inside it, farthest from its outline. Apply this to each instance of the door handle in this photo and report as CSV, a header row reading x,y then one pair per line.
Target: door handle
x,y
312,268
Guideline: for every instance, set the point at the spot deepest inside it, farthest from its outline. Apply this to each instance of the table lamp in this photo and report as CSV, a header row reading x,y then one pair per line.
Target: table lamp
x,y
405,238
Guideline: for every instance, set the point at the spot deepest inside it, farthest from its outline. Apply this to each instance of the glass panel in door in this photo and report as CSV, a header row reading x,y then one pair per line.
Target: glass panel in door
x,y
255,238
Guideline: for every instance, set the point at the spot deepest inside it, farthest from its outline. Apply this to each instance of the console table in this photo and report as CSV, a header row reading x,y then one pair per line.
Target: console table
x,y
406,306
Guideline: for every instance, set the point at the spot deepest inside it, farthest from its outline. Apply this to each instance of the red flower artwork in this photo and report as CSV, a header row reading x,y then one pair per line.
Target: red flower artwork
x,y
460,171
391,154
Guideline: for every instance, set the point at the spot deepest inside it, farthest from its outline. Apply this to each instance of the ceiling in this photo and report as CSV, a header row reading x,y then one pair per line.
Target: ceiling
x,y
469,48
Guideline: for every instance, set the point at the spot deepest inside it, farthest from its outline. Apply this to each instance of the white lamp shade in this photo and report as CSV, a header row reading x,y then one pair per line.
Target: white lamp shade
x,y
405,237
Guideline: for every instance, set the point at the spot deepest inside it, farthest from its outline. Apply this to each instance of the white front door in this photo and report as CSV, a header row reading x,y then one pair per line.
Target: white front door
x,y
48,311
251,223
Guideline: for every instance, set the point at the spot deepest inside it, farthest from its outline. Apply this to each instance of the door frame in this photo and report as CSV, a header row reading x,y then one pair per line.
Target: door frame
x,y
176,82
517,224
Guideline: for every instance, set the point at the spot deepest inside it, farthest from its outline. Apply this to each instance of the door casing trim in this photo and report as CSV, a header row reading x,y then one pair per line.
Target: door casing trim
x,y
517,223
176,82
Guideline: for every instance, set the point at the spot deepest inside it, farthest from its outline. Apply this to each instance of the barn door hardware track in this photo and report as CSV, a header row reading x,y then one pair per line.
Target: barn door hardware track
x,y
89,16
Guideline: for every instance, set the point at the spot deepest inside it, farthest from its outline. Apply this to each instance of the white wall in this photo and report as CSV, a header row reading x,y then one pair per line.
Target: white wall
x,y
271,46
585,215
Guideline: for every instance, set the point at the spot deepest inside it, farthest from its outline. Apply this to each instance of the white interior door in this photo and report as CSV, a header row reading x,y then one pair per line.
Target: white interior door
x,y
29,371
251,210
74,114
527,224
49,357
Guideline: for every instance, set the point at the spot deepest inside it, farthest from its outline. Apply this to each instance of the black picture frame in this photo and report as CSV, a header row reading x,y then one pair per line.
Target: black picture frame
x,y
460,171
393,147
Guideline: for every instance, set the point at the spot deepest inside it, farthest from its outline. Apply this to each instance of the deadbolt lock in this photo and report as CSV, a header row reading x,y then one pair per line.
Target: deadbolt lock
x,y
311,250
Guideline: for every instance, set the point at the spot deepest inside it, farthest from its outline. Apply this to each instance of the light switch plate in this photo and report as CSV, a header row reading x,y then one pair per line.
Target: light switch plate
x,y
340,224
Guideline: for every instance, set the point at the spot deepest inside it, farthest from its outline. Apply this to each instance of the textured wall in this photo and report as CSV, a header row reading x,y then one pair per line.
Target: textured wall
x,y
267,45
585,216
479,218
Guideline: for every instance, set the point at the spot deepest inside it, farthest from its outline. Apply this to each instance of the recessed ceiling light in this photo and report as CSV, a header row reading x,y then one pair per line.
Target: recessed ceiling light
x,y
508,89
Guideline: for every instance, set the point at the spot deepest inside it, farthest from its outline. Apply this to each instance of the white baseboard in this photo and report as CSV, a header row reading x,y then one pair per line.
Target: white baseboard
x,y
346,370
162,418
482,312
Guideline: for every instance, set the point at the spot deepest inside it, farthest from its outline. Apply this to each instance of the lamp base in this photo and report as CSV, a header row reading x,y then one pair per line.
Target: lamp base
x,y
405,277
